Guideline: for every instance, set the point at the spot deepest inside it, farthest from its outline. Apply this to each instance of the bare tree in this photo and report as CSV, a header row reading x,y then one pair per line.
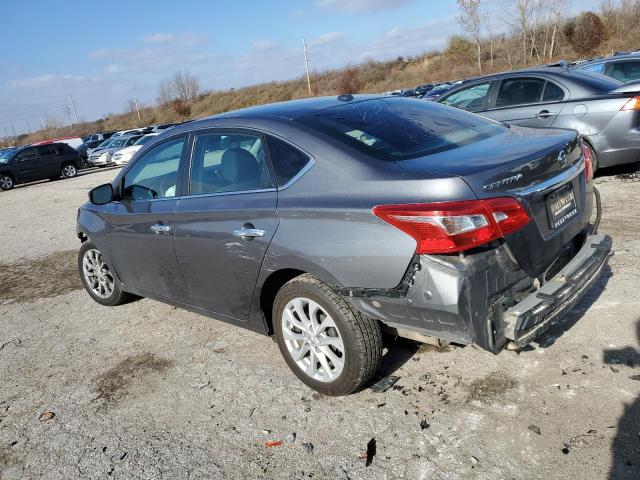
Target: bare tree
x,y
180,86
470,19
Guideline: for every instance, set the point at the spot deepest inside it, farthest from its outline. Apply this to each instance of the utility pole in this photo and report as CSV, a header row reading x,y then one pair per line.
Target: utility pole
x,y
135,101
28,128
306,64
67,110
15,137
73,105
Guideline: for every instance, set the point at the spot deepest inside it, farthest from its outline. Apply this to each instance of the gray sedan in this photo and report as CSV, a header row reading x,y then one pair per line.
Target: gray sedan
x,y
328,221
603,110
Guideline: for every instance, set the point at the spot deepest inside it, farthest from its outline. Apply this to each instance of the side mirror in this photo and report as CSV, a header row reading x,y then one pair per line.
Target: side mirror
x,y
101,195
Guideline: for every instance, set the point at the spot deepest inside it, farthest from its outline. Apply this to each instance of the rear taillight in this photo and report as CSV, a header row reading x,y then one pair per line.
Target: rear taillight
x,y
448,227
588,166
632,104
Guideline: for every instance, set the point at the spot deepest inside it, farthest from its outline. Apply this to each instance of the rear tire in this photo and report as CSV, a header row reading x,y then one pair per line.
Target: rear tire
x,y
69,170
328,346
98,279
6,181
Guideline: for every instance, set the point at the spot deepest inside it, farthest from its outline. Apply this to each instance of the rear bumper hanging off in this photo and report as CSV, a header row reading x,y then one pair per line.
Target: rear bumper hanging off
x,y
536,312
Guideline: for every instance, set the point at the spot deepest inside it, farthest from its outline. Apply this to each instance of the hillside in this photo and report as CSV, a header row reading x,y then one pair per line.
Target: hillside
x,y
543,42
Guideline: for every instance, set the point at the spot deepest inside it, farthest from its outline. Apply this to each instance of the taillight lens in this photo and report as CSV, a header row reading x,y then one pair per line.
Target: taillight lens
x,y
632,104
588,166
449,227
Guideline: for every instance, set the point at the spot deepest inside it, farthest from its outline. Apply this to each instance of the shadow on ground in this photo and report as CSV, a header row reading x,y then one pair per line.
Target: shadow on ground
x,y
625,449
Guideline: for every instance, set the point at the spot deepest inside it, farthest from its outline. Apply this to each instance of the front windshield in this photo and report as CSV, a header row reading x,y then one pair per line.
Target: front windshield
x,y
104,144
5,155
145,139
118,142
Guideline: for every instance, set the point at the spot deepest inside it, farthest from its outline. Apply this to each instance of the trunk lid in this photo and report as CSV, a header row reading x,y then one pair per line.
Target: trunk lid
x,y
543,168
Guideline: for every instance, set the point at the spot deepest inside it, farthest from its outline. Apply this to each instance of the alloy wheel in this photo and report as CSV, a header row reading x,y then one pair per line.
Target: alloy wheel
x,y
97,274
313,339
69,171
6,182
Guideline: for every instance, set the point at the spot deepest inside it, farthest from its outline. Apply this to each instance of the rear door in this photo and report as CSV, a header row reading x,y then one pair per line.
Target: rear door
x,y
527,101
226,222
48,163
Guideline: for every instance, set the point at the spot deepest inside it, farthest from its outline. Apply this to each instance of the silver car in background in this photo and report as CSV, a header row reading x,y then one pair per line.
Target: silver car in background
x,y
605,111
103,154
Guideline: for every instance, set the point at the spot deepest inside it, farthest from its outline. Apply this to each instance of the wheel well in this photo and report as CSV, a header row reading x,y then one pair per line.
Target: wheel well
x,y
269,290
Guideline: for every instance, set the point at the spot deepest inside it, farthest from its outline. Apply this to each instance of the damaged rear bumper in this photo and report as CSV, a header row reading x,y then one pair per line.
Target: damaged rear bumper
x,y
536,312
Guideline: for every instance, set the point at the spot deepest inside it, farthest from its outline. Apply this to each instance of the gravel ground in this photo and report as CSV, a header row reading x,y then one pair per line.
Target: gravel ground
x,y
146,390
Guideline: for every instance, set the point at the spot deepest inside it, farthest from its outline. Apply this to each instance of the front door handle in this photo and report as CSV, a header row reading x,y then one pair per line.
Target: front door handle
x,y
544,114
158,228
248,233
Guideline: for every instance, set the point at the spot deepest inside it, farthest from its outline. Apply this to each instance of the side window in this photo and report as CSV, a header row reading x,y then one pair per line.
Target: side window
x,y
625,71
28,154
597,68
287,161
155,175
519,91
228,162
473,98
45,151
552,93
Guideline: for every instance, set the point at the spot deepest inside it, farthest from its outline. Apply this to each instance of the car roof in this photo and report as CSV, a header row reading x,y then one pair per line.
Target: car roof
x,y
295,108
578,81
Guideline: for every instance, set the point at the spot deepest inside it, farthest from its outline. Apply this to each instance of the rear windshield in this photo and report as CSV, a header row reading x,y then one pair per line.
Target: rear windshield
x,y
397,128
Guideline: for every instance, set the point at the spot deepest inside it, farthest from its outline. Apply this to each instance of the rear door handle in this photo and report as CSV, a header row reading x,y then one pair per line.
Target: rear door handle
x,y
160,228
247,233
544,114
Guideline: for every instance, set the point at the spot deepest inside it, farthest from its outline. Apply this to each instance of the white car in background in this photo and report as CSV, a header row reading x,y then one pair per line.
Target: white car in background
x,y
121,157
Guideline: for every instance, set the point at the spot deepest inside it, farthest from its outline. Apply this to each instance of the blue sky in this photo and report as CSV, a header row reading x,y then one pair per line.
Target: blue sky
x,y
97,50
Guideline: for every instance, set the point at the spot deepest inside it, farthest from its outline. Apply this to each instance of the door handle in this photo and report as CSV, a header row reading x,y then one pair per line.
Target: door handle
x,y
544,114
160,228
248,233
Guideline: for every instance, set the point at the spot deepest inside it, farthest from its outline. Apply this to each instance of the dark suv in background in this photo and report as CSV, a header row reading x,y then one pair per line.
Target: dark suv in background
x,y
38,162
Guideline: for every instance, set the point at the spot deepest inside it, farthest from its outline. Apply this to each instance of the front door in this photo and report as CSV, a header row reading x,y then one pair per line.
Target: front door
x,y
141,223
26,164
226,222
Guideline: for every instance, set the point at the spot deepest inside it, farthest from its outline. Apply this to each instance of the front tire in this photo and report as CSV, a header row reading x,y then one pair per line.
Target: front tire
x,y
69,170
329,346
98,278
6,182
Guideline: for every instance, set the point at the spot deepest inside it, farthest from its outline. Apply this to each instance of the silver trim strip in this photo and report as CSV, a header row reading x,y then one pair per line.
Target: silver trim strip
x,y
554,182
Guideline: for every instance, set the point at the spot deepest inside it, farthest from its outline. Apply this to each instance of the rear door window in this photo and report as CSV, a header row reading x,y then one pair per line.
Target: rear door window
x,y
472,99
45,151
287,161
228,162
519,91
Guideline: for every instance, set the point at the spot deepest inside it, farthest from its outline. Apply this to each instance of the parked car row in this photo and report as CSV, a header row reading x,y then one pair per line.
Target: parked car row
x,y
599,98
63,157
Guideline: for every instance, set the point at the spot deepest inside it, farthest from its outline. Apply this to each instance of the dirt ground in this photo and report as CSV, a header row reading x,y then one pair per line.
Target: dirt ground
x,y
146,390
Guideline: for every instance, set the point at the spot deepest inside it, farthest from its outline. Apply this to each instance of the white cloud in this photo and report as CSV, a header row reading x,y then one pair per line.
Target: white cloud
x,y
186,38
328,38
264,45
362,6
48,79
